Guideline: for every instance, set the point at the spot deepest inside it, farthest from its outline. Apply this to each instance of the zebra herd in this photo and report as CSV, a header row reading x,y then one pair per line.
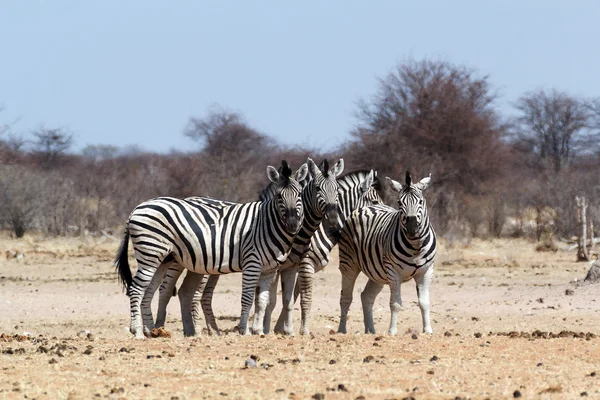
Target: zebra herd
x,y
287,235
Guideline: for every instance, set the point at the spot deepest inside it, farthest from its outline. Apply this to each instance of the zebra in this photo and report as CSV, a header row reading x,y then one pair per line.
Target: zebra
x,y
319,197
390,247
210,239
356,189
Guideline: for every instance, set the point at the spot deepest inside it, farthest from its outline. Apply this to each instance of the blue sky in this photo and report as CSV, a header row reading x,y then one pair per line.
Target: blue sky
x,y
133,72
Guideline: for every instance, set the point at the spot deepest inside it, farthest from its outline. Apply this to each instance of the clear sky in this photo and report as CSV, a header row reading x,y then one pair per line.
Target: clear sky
x,y
133,72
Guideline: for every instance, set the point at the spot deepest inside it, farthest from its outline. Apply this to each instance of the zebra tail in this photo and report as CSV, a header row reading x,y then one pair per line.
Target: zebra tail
x,y
122,264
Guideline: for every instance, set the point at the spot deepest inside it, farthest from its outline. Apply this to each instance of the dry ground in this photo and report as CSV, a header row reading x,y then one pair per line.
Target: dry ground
x,y
63,287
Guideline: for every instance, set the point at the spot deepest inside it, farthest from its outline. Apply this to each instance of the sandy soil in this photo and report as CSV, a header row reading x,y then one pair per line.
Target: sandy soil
x,y
64,288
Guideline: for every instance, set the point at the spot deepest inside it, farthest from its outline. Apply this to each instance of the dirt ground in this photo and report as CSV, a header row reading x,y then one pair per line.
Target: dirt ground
x,y
63,289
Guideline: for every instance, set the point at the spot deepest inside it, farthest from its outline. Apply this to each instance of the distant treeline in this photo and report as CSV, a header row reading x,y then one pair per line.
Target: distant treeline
x,y
492,174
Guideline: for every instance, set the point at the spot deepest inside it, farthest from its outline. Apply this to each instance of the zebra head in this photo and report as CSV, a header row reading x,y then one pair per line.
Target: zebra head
x,y
412,205
288,195
323,190
369,191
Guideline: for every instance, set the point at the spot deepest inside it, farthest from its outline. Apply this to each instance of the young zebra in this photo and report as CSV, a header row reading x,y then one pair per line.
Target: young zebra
x,y
390,247
357,189
319,198
210,239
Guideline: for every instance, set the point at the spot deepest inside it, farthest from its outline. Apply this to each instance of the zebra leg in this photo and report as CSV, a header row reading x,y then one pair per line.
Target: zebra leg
x,y
367,297
207,295
166,291
423,282
349,276
271,305
262,300
395,303
148,264
285,323
196,299
306,277
250,277
186,295
147,298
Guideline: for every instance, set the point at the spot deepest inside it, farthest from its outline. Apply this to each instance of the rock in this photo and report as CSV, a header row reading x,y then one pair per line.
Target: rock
x,y
250,363
593,275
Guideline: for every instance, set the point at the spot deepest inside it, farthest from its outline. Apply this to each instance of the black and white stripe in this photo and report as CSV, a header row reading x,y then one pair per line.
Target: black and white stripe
x,y
319,198
391,247
210,239
356,189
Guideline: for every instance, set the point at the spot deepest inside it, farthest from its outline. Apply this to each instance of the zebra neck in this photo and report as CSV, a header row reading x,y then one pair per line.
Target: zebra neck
x,y
269,223
419,243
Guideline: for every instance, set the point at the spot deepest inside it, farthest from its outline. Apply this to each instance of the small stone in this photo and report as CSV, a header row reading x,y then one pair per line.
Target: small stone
x,y
569,292
368,359
52,361
250,363
434,359
331,362
517,394
342,388
593,373
583,394
87,351
447,334
318,396
539,364
477,335
430,372
360,398
414,336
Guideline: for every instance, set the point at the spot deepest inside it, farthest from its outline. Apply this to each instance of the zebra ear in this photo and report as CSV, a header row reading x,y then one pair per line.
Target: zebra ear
x,y
273,174
366,184
395,185
424,183
338,168
302,172
312,167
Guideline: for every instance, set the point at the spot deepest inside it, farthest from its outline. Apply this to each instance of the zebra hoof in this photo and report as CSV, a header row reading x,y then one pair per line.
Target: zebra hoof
x,y
304,332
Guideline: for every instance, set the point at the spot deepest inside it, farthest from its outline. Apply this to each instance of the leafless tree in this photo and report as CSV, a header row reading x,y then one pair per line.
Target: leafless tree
x,y
19,198
432,116
51,145
553,127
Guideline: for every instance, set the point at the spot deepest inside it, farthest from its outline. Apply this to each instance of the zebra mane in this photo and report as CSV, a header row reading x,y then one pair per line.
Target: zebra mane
x,y
324,167
285,169
408,179
361,173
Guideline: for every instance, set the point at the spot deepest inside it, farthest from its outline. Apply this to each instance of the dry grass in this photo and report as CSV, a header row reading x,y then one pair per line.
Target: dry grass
x,y
493,336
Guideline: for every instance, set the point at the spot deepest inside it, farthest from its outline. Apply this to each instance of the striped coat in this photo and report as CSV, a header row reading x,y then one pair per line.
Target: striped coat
x,y
390,246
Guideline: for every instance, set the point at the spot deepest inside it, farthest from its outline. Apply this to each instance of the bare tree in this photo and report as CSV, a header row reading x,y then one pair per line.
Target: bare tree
x,y
432,116
226,133
20,191
51,145
233,156
552,127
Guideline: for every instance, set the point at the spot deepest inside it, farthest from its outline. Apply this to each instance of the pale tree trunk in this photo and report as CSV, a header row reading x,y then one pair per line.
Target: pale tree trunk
x,y
591,237
582,251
